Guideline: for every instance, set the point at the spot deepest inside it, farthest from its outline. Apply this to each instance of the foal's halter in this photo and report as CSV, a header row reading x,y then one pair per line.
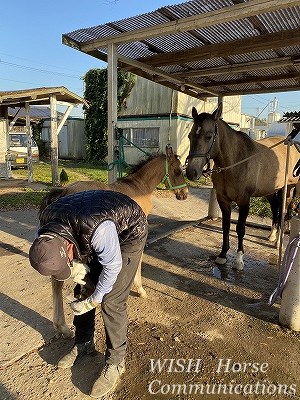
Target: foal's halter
x,y
207,154
167,178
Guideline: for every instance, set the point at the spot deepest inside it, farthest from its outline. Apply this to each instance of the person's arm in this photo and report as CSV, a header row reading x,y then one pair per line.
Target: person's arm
x,y
106,245
105,242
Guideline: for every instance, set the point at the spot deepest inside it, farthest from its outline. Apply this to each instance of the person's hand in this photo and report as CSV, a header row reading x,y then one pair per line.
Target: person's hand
x,y
81,307
79,271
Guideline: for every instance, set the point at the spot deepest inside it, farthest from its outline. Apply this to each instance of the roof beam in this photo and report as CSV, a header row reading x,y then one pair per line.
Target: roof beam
x,y
164,75
222,15
256,43
259,91
253,79
242,67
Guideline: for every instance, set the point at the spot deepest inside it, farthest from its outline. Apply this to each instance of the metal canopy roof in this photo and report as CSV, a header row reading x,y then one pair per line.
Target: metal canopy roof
x,y
206,48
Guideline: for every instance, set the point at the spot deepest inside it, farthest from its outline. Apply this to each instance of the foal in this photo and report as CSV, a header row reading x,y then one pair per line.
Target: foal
x,y
139,185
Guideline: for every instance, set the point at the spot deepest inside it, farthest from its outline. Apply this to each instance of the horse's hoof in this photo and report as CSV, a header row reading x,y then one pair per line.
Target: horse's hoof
x,y
239,263
142,293
238,266
220,260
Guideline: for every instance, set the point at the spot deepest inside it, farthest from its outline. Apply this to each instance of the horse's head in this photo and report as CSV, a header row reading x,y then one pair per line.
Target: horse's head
x,y
202,137
174,178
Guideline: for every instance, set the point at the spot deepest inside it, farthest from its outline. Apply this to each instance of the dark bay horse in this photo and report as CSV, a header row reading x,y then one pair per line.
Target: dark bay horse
x,y
242,168
139,185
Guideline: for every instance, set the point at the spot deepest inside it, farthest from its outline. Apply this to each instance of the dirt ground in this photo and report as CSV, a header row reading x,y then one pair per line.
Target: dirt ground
x,y
214,323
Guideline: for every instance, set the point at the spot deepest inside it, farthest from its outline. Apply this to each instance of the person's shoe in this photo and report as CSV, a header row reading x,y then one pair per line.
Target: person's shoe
x,y
77,351
108,379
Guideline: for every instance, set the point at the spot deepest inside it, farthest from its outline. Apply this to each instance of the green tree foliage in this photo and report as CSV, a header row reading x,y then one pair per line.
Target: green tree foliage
x,y
96,114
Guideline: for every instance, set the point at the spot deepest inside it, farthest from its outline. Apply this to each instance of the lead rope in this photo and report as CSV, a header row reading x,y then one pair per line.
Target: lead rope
x,y
287,263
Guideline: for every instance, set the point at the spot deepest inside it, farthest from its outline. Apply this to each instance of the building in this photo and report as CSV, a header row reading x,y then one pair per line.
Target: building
x,y
155,115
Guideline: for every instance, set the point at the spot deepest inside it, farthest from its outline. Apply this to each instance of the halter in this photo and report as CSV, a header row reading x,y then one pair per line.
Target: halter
x,y
204,155
167,178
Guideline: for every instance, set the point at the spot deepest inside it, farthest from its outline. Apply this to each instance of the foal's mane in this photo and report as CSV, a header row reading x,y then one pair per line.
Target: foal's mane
x,y
135,168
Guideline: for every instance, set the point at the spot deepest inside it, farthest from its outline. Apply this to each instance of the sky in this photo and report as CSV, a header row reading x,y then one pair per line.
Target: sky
x,y
32,54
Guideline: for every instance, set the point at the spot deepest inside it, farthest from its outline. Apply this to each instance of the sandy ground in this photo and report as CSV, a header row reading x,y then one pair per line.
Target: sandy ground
x,y
215,317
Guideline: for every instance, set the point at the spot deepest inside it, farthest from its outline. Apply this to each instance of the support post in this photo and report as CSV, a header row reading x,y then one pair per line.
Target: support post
x,y
289,314
54,141
29,143
213,206
112,84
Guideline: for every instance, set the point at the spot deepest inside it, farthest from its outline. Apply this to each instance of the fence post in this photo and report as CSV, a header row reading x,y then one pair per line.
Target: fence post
x,y
289,314
213,206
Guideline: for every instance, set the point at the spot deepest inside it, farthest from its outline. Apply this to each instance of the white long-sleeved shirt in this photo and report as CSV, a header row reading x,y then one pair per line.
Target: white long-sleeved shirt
x,y
105,242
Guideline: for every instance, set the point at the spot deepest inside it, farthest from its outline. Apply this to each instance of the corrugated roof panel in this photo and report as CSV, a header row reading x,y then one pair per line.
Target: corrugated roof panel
x,y
253,56
210,63
252,28
291,50
281,83
176,42
270,71
228,31
172,68
195,7
141,21
285,19
134,50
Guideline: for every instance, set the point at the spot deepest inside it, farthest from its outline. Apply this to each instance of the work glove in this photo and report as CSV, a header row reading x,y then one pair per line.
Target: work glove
x,y
79,271
81,307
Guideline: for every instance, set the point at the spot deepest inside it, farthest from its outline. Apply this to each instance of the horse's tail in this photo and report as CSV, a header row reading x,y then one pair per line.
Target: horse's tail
x,y
50,197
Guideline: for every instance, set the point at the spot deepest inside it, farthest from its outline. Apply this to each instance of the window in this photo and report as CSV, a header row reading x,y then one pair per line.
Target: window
x,y
142,137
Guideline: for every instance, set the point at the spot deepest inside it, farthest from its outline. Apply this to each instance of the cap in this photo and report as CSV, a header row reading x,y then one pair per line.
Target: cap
x,y
48,255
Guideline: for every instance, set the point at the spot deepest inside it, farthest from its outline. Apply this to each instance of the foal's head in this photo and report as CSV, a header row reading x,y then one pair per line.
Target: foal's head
x,y
174,178
202,138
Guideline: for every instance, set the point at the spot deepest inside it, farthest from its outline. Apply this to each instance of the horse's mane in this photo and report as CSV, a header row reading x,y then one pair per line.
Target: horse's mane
x,y
249,141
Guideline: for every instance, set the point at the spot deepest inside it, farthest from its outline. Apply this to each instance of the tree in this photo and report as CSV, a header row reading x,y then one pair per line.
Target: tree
x,y
96,114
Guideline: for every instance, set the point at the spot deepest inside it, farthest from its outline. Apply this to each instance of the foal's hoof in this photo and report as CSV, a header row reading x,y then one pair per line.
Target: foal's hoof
x,y
220,260
64,332
139,292
142,293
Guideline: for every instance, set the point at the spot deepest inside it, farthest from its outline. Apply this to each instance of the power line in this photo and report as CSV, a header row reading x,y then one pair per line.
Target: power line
x,y
38,69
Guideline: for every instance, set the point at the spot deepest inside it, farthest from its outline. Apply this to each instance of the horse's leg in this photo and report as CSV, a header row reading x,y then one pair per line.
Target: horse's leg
x,y
225,206
59,321
240,230
274,200
290,194
137,283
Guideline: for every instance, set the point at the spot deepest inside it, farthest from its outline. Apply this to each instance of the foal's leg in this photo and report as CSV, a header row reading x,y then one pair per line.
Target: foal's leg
x,y
225,207
59,321
274,200
137,283
240,230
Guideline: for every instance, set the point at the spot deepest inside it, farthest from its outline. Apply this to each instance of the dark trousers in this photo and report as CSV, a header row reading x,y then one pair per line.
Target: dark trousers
x,y
114,304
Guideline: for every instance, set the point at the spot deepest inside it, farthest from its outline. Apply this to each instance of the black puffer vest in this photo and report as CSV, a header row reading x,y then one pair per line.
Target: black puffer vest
x,y
76,217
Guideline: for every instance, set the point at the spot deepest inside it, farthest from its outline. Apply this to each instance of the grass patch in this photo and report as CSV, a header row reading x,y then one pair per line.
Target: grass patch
x,y
21,201
76,171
